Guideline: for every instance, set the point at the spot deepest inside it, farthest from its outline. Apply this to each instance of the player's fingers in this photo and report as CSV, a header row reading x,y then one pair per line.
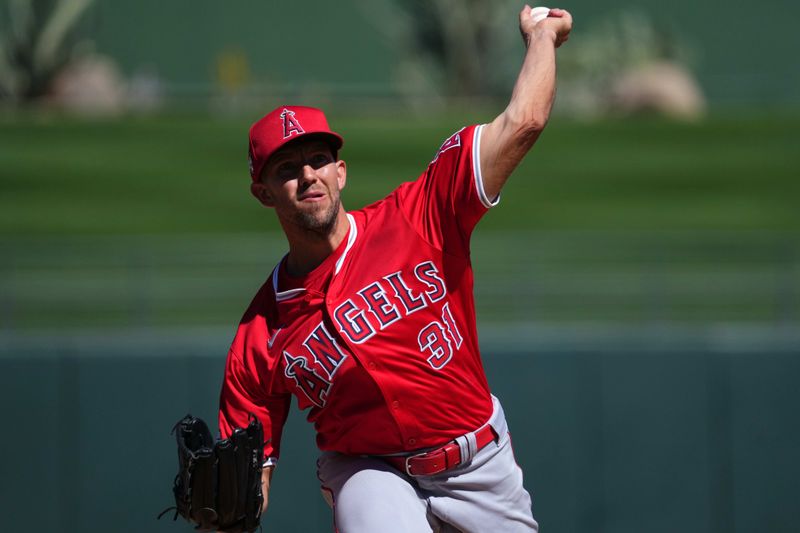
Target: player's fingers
x,y
557,12
563,14
524,15
525,23
562,19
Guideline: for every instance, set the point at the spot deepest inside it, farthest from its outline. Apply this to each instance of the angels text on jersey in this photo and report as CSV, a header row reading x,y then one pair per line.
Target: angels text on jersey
x,y
377,306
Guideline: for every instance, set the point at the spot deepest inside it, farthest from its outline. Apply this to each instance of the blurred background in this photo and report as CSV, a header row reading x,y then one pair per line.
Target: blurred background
x,y
638,288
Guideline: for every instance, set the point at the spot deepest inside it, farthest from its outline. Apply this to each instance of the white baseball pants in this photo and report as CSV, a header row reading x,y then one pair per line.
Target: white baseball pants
x,y
485,494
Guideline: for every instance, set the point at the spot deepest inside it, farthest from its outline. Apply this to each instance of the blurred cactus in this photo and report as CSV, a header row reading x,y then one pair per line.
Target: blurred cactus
x,y
447,48
625,63
38,38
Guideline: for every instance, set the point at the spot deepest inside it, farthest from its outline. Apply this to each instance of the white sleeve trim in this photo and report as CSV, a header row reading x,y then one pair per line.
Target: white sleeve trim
x,y
270,461
476,169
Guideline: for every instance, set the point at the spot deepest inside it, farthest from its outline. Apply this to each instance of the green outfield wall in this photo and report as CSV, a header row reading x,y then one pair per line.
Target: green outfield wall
x,y
633,432
339,48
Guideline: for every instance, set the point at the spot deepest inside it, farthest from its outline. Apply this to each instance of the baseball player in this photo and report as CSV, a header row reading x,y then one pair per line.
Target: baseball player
x,y
369,319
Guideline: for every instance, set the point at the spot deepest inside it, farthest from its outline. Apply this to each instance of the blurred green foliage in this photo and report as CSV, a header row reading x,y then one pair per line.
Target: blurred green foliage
x,y
187,173
38,38
737,62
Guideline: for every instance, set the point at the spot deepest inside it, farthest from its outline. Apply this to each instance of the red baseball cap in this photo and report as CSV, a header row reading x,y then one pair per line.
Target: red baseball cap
x,y
282,125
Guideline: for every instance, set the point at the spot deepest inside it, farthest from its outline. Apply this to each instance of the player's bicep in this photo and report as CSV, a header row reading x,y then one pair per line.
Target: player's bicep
x,y
503,144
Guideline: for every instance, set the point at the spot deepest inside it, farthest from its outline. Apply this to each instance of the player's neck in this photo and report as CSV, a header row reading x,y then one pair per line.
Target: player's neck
x,y
307,250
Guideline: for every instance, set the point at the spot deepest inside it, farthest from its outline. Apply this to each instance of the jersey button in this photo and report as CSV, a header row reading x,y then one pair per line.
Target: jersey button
x,y
372,365
395,405
412,441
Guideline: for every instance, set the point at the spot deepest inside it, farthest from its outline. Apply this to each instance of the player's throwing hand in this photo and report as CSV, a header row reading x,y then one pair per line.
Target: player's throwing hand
x,y
557,25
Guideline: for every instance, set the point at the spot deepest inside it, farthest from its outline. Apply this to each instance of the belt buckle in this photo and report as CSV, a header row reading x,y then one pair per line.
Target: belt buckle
x,y
407,466
446,465
430,455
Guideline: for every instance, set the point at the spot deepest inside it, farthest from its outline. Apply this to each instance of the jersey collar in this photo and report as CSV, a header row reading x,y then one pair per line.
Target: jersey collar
x,y
291,293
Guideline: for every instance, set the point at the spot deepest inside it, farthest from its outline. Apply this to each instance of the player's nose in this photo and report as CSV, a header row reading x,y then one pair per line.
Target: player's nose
x,y
309,172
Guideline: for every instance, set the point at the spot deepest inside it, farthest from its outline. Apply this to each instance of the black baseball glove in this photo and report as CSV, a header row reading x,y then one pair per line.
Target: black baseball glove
x,y
218,486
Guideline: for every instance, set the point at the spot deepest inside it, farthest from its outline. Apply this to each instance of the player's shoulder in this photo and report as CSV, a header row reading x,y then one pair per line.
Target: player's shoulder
x,y
367,214
453,145
254,326
262,304
458,141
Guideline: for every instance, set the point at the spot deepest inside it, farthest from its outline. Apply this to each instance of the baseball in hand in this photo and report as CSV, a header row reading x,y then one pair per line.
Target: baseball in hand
x,y
539,13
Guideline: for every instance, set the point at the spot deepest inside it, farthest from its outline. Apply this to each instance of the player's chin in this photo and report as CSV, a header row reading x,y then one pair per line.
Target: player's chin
x,y
315,208
315,219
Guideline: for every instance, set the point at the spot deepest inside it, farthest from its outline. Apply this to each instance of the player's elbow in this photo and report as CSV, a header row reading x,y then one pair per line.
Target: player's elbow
x,y
527,123
524,129
534,123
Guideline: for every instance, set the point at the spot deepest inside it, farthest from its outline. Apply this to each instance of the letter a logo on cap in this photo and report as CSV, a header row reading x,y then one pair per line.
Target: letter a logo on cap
x,y
290,124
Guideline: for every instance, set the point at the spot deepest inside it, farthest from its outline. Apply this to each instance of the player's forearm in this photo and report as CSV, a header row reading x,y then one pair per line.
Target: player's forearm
x,y
534,91
266,480
508,138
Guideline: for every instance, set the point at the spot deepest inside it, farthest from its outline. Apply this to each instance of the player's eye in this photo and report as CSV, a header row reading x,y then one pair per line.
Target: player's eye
x,y
319,160
286,170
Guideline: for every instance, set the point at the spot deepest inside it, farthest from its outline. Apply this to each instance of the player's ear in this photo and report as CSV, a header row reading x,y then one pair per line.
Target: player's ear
x,y
341,173
260,191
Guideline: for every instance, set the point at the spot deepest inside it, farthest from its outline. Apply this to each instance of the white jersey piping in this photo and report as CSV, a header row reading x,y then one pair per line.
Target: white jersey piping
x,y
350,240
285,295
476,166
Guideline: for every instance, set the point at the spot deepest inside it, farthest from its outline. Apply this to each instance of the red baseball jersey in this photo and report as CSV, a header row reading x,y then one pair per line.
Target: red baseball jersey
x,y
379,342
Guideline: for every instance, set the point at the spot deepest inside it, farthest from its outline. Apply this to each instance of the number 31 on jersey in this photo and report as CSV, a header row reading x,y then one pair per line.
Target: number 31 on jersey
x,y
437,338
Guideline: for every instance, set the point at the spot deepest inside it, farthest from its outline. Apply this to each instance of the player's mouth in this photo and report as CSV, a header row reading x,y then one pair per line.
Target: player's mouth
x,y
311,197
